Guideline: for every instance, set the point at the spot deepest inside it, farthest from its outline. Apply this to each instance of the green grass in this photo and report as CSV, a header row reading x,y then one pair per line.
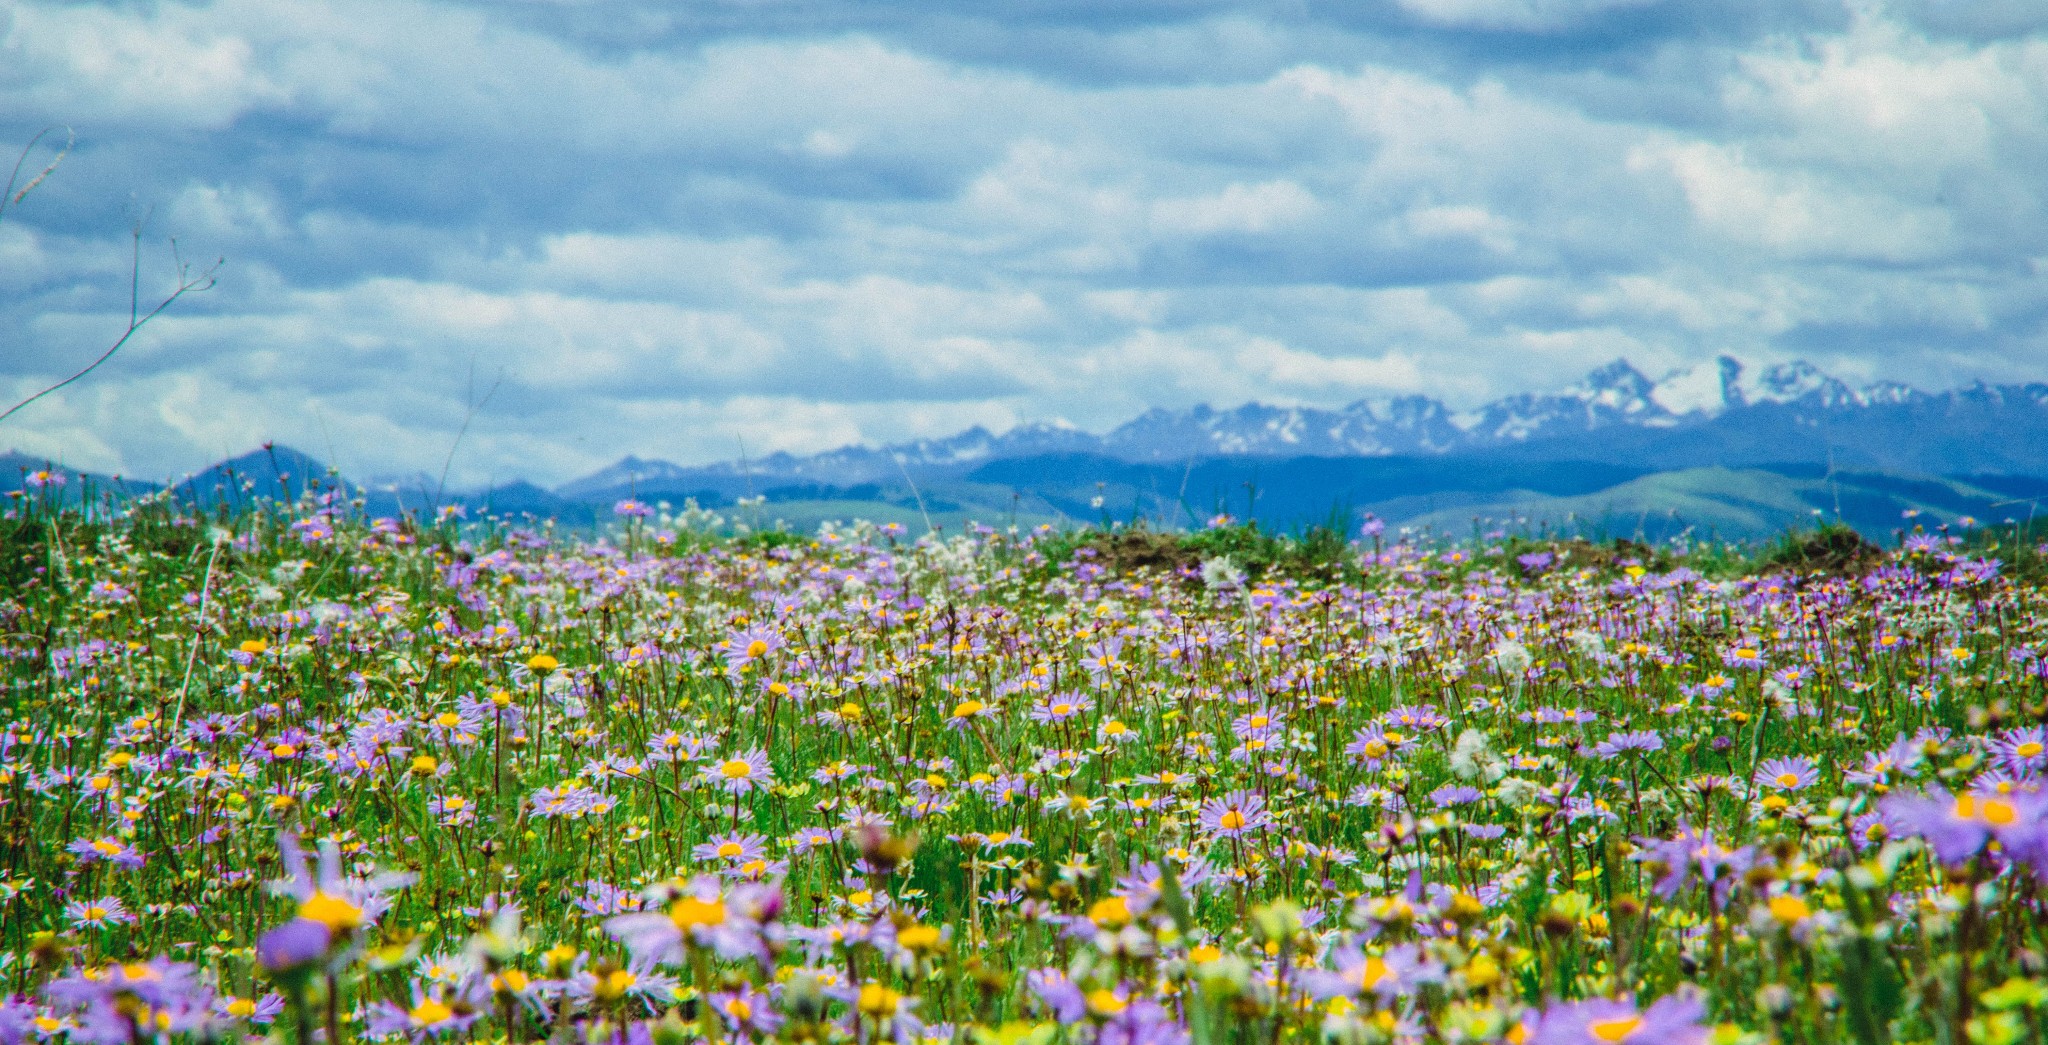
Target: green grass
x,y
417,693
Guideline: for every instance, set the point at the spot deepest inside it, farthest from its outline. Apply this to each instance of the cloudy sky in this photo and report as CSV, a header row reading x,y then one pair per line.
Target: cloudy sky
x,y
687,229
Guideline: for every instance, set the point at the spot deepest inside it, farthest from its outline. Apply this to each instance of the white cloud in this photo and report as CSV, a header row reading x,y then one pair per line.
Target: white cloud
x,y
1799,212
678,236
169,68
1526,15
1238,208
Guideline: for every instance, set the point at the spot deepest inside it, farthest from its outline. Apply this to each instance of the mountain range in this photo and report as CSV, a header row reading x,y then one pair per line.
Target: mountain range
x,y
1730,445
1720,413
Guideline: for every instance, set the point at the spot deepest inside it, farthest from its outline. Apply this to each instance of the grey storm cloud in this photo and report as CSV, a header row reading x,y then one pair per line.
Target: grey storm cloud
x,y
679,230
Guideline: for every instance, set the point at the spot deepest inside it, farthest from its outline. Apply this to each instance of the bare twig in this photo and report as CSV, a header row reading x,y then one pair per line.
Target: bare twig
x,y
913,492
192,656
10,197
473,405
187,283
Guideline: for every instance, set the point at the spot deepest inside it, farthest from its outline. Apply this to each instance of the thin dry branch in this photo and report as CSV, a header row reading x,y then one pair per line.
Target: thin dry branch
x,y
187,283
12,198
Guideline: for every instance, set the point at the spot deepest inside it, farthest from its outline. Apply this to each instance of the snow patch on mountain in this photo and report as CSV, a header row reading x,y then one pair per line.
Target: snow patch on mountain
x,y
1614,396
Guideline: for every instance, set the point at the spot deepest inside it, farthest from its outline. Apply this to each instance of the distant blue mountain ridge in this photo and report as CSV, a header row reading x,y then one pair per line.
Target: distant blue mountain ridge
x,y
1723,413
1725,444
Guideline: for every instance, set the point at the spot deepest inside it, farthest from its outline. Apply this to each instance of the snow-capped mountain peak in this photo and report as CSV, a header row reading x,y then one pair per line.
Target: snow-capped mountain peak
x,y
1704,389
1794,382
1616,397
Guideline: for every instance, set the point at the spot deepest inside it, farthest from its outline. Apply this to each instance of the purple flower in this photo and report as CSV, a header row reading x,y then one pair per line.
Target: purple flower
x,y
1142,1022
1673,1020
16,1017
1060,996
1059,707
2021,750
342,904
749,645
1375,745
103,913
1956,827
173,1001
639,980
1233,815
431,1016
1382,976
744,772
259,1011
698,915
1646,740
747,1011
1787,774
109,850
292,947
1455,795
1695,855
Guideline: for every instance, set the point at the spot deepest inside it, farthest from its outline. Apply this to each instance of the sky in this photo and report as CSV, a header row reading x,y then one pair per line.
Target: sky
x,y
524,238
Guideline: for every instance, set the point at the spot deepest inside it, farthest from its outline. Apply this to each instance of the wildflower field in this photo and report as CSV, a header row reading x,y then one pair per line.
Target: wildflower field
x,y
291,772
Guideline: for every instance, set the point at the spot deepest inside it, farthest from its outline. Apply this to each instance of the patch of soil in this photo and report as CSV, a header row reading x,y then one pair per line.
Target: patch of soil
x,y
1835,549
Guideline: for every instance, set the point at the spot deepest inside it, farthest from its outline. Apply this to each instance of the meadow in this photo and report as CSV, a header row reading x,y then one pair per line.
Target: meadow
x,y
292,772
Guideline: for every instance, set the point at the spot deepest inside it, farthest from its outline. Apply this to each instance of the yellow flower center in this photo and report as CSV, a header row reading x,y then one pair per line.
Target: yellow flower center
x,y
242,1007
1374,973
1104,1002
430,1012
730,850
1788,779
337,914
1231,820
878,1001
692,913
1617,1029
736,769
756,648
2028,749
1790,910
738,1009
1112,913
968,708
